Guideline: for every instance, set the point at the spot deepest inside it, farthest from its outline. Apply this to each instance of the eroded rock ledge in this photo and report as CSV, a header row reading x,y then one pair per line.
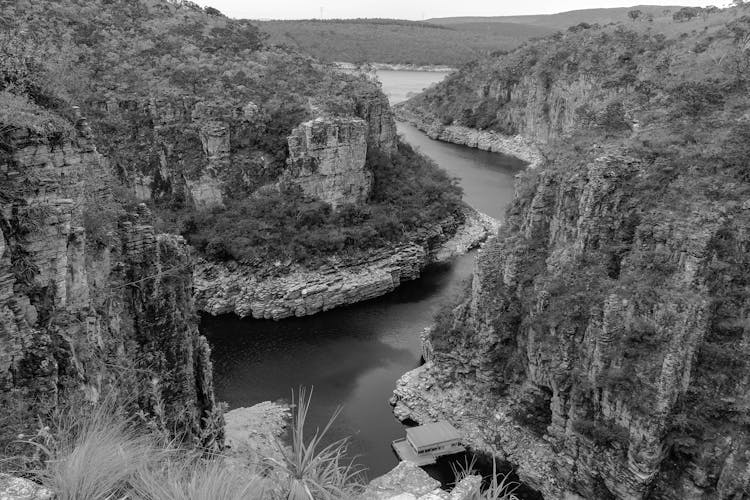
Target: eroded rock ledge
x,y
517,146
225,288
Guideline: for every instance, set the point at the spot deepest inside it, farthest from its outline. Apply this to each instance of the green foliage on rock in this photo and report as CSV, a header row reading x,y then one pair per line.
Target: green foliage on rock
x,y
410,193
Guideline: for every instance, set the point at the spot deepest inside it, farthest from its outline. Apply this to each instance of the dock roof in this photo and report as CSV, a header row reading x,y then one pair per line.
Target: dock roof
x,y
430,434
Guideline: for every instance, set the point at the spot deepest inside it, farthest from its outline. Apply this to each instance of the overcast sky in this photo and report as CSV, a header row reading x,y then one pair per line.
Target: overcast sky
x,y
416,9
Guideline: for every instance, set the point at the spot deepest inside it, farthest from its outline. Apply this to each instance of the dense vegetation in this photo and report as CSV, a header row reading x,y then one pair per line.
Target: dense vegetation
x,y
395,41
151,75
409,194
453,41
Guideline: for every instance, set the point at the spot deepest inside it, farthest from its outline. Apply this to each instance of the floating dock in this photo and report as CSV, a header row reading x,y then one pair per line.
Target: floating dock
x,y
425,443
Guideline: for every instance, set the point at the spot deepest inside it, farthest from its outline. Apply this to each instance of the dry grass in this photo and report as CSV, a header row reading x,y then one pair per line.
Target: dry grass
x,y
101,454
94,457
181,477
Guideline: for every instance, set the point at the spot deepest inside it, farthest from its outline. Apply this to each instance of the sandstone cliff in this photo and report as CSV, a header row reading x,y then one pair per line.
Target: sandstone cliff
x,y
90,297
603,346
327,159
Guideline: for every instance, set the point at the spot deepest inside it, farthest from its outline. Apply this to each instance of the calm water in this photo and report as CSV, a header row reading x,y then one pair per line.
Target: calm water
x,y
353,356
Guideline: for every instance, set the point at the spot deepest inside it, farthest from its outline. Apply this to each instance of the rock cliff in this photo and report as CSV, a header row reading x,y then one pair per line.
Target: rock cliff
x,y
327,160
579,374
602,348
91,297
222,288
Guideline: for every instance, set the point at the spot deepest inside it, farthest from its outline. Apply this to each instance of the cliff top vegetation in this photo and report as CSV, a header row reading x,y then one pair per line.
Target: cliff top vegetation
x,y
152,76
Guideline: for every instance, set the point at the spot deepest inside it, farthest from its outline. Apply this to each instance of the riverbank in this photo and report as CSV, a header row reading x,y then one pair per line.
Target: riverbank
x,y
230,288
517,146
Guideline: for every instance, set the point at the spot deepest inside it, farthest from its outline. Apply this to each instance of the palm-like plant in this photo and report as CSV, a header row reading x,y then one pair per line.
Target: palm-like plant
x,y
315,471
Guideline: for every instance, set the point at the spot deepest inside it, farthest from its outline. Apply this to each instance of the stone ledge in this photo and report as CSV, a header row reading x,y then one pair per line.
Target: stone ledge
x,y
16,488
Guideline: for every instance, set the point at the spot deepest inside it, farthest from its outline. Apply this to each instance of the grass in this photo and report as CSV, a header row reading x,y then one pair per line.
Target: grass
x,y
497,487
182,477
94,457
314,471
99,453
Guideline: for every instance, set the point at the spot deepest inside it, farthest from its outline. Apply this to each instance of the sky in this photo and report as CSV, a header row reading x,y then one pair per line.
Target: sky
x,y
417,9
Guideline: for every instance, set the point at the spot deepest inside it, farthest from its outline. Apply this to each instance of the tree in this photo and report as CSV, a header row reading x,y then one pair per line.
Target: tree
x,y
686,14
635,14
213,12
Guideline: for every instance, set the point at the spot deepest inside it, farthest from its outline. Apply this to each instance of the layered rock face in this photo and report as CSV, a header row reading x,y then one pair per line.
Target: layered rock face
x,y
327,160
191,152
90,297
222,288
600,349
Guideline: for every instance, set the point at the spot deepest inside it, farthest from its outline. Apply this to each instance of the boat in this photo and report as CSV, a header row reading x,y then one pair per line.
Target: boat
x,y
425,443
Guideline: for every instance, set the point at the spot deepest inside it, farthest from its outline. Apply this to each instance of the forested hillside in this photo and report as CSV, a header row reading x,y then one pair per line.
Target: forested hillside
x,y
452,41
394,41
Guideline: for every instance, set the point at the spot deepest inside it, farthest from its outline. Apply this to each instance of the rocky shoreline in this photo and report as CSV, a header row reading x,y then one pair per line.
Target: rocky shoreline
x,y
347,66
229,288
517,146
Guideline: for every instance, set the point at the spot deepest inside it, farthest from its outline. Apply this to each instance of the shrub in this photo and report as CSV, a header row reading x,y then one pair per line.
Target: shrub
x,y
313,470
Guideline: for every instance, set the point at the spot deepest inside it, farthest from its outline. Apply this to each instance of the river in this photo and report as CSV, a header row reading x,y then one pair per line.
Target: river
x,y
354,355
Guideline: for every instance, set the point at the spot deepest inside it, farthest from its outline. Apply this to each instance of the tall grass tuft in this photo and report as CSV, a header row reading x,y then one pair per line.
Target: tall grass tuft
x,y
499,486
182,477
94,457
314,471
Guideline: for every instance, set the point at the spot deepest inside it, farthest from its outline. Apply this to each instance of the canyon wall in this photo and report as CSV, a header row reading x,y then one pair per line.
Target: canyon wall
x,y
592,342
91,297
197,153
602,349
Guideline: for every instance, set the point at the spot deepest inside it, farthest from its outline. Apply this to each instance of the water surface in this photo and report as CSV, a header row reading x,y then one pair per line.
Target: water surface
x,y
353,356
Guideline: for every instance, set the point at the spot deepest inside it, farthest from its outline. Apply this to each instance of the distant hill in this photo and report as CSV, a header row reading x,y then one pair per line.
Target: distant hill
x,y
448,41
561,20
396,41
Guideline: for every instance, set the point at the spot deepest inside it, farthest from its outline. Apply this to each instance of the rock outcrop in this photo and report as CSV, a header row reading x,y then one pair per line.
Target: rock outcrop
x,y
409,482
222,288
16,488
327,160
92,298
516,145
